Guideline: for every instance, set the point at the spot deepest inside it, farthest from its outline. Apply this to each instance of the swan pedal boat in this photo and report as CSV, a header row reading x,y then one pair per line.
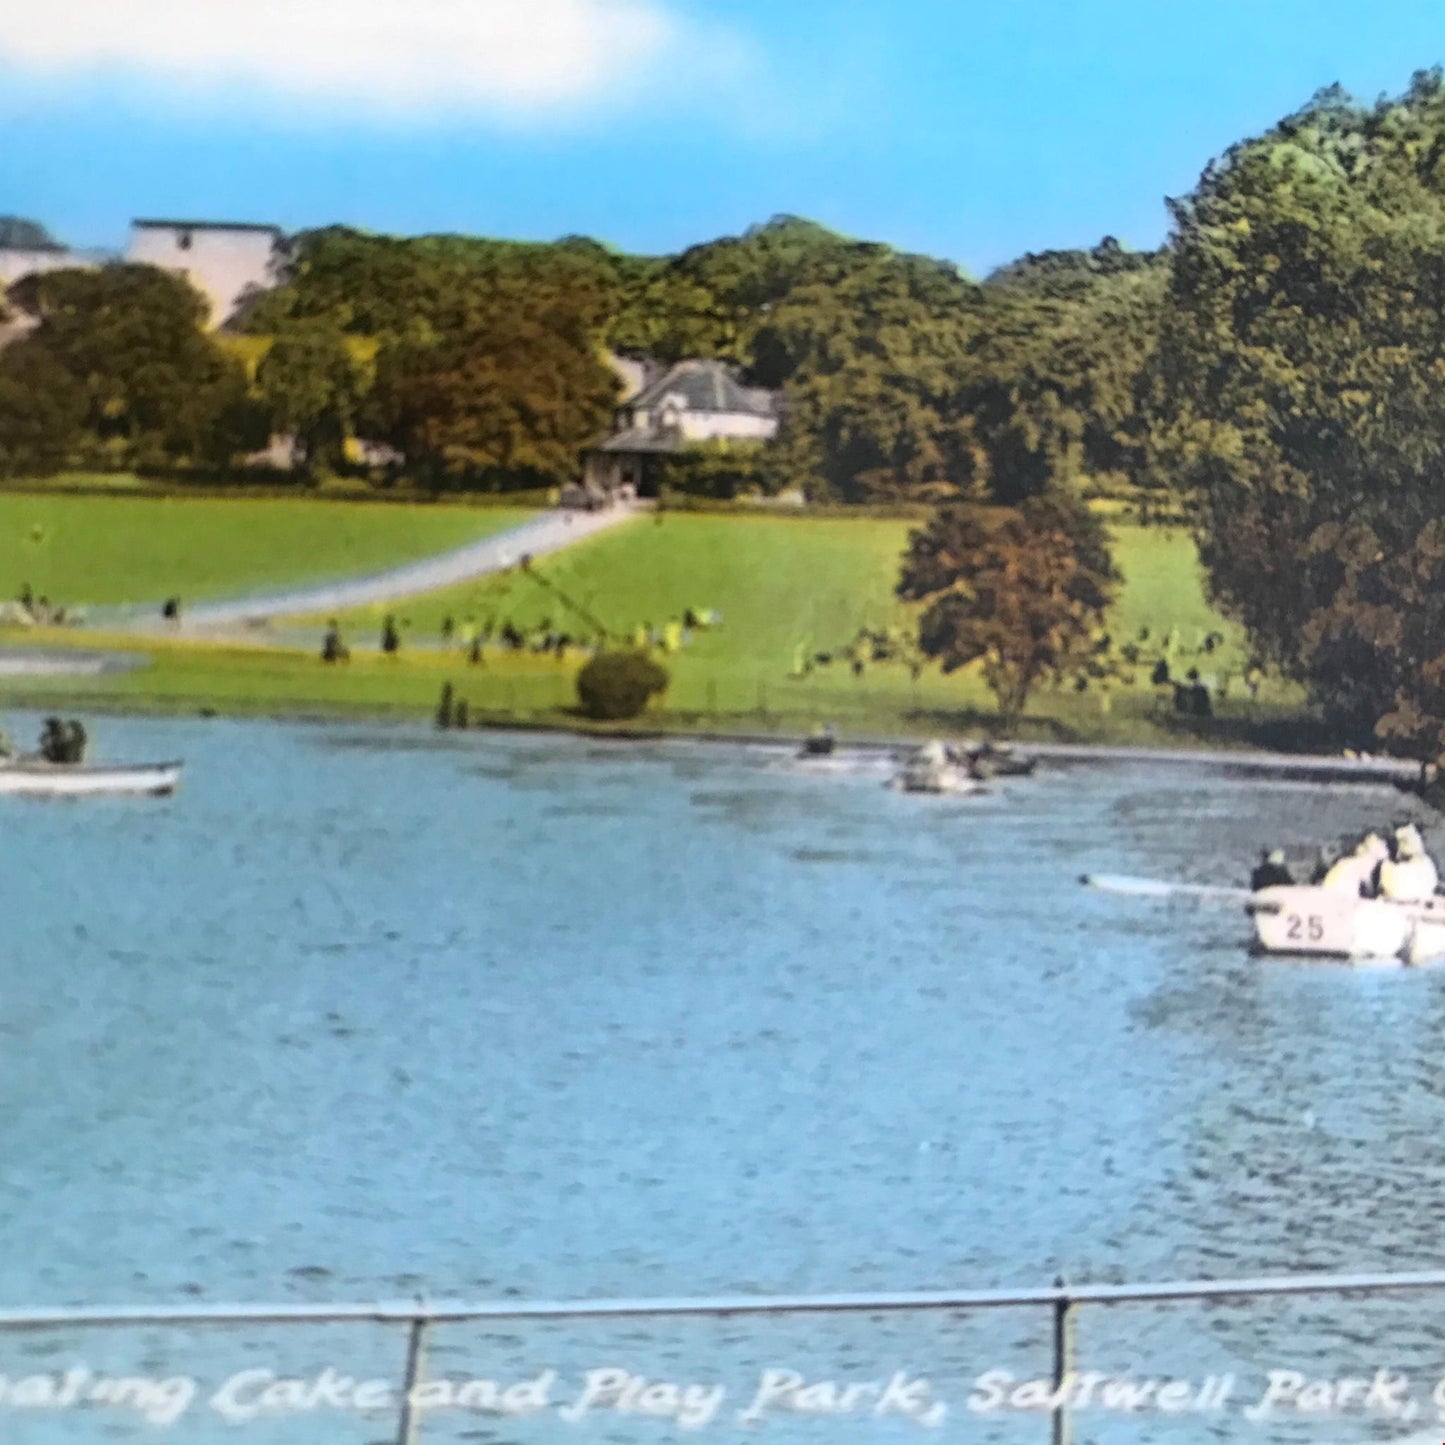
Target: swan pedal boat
x,y
36,778
1327,923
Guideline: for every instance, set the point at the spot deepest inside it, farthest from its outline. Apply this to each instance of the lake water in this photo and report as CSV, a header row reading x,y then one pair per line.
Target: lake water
x,y
366,1013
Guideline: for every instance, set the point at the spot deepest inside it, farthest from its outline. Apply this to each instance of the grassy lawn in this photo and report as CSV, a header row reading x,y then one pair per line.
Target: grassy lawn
x,y
86,550
787,588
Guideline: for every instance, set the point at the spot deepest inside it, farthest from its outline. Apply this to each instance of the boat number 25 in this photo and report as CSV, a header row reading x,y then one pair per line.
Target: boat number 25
x,y
1311,928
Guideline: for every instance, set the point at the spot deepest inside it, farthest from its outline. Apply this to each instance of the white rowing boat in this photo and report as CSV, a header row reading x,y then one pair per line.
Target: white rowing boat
x,y
1327,923
33,778
1312,922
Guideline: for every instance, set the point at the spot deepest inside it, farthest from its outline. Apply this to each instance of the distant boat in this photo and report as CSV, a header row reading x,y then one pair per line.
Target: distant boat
x,y
35,778
931,770
989,761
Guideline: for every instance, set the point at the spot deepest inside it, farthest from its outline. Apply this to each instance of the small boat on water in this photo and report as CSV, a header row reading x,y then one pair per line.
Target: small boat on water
x,y
820,744
1328,923
36,778
1307,921
931,770
59,769
991,761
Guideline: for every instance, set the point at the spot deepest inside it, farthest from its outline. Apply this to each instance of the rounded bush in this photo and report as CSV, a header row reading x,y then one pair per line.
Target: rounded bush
x,y
616,685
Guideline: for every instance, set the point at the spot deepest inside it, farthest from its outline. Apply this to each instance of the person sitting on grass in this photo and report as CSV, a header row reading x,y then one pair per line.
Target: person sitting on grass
x,y
333,649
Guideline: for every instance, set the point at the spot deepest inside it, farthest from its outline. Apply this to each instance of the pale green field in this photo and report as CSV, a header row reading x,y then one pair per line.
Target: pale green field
x,y
87,550
787,589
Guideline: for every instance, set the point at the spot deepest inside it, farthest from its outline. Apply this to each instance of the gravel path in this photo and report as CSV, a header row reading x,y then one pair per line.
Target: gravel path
x,y
548,533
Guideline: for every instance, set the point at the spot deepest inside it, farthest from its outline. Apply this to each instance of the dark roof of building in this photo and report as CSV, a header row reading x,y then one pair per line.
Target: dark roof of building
x,y
705,386
18,234
205,226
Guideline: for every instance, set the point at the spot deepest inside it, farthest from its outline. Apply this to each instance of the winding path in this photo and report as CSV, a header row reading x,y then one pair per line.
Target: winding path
x,y
550,532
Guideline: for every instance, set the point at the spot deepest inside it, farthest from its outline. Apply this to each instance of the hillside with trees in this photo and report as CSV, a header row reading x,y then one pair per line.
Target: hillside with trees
x,y
483,363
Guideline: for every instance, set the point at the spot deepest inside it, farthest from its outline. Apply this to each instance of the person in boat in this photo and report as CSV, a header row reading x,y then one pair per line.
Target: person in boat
x,y
1271,871
1410,874
1357,872
820,742
52,740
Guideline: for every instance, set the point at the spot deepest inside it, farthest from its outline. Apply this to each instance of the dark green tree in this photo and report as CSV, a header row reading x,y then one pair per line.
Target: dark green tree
x,y
1301,359
132,339
311,389
42,408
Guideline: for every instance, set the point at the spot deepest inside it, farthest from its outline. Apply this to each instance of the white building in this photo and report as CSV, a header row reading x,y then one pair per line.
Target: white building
x,y
17,262
692,403
224,261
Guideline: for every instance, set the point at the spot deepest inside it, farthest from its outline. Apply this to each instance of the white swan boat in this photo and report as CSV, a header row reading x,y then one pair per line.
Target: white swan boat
x,y
35,778
1327,923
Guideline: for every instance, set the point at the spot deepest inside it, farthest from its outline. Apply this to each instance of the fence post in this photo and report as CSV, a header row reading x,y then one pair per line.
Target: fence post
x,y
409,1428
1063,1433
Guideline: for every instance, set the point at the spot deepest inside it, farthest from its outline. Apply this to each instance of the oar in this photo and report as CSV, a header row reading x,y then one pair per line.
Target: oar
x,y
1159,888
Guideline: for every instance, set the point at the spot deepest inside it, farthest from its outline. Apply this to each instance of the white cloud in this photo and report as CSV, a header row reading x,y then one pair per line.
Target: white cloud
x,y
514,56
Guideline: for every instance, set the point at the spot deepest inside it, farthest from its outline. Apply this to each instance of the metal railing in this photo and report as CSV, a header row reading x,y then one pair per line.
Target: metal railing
x,y
1061,1300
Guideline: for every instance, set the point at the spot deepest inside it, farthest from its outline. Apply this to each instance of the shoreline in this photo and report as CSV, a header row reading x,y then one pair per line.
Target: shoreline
x,y
1304,766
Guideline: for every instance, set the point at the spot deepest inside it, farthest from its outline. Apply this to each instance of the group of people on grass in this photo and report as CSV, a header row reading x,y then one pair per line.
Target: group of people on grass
x,y
1400,869
544,639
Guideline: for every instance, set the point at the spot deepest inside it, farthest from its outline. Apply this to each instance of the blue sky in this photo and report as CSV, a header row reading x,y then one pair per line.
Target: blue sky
x,y
961,128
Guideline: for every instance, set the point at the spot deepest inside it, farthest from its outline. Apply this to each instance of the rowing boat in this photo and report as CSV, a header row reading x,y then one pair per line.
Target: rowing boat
x,y
1327,923
34,778
1311,922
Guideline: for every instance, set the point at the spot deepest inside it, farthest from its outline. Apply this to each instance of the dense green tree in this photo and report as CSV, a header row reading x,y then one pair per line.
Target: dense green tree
x,y
1060,368
506,398
132,339
1023,594
871,353
311,389
711,299
1301,364
391,287
42,409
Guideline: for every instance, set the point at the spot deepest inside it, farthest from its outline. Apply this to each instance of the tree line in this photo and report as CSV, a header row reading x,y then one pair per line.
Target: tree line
x,y
482,364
